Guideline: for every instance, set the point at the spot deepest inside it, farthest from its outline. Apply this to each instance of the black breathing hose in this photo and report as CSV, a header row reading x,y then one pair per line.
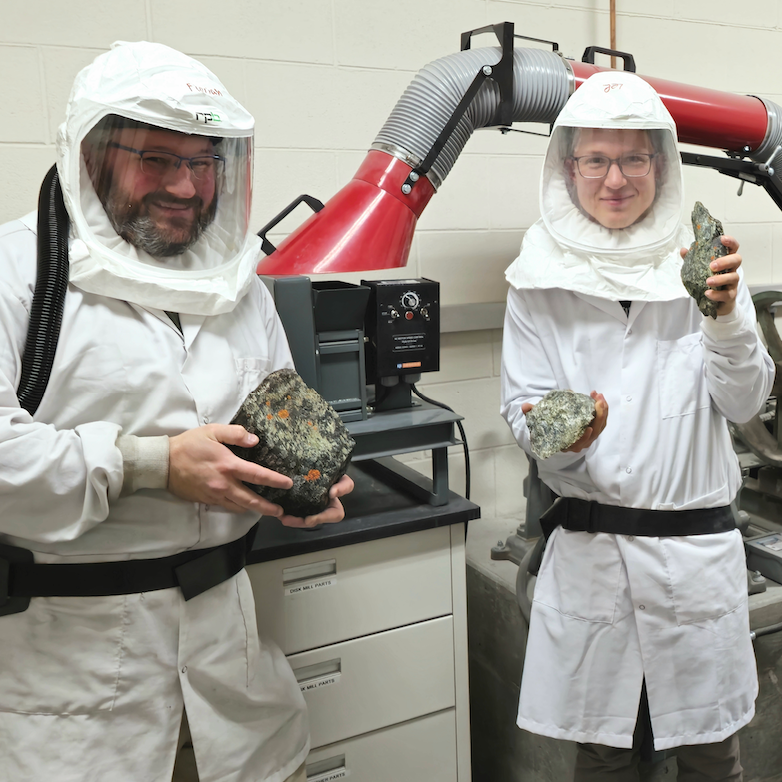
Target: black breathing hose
x,y
48,301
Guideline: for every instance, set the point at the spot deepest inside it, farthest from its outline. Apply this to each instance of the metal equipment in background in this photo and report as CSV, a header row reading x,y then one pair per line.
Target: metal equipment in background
x,y
382,334
403,338
369,224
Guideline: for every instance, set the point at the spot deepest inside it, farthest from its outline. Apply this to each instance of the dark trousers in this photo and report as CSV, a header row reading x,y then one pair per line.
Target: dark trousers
x,y
696,763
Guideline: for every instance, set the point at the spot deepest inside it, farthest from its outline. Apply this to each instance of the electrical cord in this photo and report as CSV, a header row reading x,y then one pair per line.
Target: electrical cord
x,y
461,432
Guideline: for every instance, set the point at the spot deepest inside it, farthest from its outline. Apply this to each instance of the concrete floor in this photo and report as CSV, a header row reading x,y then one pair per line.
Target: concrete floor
x,y
502,752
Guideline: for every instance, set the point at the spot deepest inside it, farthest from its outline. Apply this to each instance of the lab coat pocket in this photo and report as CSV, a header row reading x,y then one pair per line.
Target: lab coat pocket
x,y
681,376
63,655
580,576
690,562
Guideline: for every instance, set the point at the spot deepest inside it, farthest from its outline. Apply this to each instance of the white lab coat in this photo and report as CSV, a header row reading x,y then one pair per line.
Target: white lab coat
x,y
610,610
93,688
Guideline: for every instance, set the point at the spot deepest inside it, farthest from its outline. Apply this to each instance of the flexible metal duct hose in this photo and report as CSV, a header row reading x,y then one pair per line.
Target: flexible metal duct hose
x,y
49,298
769,151
542,85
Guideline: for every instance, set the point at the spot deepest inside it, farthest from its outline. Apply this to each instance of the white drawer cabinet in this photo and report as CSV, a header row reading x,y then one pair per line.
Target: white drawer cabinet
x,y
330,596
402,753
376,633
377,681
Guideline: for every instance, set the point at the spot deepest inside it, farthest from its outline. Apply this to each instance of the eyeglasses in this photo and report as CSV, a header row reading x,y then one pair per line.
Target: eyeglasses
x,y
597,166
159,164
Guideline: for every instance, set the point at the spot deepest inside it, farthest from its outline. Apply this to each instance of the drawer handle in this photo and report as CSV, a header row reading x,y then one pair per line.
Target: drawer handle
x,y
323,569
313,677
327,770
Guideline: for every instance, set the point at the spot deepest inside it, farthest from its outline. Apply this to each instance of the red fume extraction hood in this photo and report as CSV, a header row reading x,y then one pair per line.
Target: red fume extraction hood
x,y
369,224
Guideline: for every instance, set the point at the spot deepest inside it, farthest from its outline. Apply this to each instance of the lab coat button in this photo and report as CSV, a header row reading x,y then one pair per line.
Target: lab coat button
x,y
642,607
184,669
206,419
629,332
629,398
629,470
631,537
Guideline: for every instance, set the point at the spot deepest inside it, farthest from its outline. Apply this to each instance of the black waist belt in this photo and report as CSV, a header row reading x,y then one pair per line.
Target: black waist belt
x,y
586,516
192,571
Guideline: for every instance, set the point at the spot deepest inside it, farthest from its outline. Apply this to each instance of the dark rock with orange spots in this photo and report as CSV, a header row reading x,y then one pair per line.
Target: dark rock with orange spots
x,y
706,248
299,435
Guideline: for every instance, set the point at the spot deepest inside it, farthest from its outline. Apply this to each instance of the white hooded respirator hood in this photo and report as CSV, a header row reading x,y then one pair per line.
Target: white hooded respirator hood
x,y
570,250
160,218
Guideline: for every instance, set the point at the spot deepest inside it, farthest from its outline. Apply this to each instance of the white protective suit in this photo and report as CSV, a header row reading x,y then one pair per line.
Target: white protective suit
x,y
92,688
608,609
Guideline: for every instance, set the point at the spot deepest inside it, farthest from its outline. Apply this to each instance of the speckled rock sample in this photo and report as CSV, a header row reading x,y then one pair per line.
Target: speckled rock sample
x,y
706,247
558,420
299,435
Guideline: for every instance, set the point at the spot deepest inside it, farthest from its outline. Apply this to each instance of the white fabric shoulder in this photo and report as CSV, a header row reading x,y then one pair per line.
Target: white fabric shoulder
x,y
543,264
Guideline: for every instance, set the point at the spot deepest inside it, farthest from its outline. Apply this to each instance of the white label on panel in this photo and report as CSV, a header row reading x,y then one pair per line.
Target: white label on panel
x,y
339,773
316,684
310,586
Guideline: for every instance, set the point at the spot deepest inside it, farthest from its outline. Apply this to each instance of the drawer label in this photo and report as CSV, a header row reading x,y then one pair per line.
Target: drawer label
x,y
339,773
316,684
310,586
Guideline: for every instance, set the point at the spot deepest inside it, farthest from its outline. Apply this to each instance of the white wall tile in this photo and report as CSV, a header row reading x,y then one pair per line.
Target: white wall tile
x,y
757,253
572,28
513,185
479,402
60,65
663,8
281,175
510,469
294,30
23,100
523,139
406,35
23,169
319,107
462,202
758,13
665,49
464,355
91,23
230,71
469,265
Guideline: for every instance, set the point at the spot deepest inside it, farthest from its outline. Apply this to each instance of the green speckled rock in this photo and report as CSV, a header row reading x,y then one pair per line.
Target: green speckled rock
x,y
299,435
706,247
558,420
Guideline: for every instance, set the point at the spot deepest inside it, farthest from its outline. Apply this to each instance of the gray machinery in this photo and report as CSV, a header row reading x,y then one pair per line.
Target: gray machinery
x,y
363,347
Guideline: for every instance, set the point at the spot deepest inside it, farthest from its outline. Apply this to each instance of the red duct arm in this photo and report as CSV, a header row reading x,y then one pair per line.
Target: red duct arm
x,y
707,117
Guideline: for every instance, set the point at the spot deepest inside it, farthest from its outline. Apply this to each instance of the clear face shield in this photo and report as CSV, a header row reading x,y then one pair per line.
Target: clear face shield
x,y
599,181
183,199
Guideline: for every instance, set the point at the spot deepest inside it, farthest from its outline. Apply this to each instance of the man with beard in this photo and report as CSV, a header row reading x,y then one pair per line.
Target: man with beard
x,y
120,477
159,198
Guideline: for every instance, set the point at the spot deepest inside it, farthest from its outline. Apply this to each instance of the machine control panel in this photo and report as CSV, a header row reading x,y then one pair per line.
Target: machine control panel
x,y
403,327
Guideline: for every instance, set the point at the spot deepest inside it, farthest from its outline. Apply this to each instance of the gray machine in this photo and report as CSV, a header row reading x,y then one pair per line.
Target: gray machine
x,y
333,328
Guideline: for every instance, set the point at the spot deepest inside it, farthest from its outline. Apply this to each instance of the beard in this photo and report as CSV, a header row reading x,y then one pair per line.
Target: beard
x,y
133,222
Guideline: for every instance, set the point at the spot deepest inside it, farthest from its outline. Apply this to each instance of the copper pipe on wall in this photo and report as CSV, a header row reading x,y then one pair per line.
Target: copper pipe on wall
x,y
612,17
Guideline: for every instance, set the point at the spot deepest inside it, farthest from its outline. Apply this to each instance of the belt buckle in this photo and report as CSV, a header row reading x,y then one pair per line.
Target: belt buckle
x,y
8,556
590,523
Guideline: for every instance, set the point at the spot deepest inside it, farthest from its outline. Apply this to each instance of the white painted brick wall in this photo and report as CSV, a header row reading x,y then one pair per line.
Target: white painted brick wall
x,y
321,76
